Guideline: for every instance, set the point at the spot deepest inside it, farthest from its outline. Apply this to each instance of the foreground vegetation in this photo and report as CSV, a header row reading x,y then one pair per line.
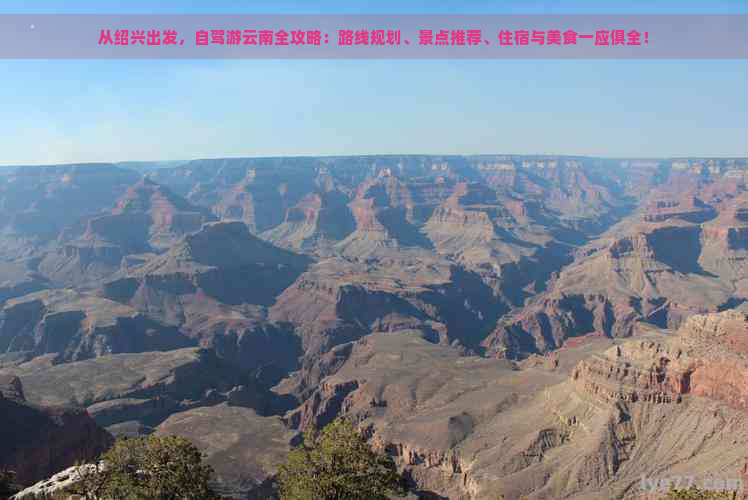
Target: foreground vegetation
x,y
152,467
143,468
333,464
696,494
337,464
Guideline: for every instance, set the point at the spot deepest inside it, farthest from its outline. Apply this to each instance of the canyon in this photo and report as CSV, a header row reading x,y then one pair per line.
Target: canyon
x,y
540,326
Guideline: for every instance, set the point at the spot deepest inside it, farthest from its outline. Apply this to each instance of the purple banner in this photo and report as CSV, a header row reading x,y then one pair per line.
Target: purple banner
x,y
374,36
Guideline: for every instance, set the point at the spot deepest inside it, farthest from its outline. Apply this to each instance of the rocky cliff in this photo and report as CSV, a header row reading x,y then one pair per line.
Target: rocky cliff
x,y
39,441
641,271
71,326
586,424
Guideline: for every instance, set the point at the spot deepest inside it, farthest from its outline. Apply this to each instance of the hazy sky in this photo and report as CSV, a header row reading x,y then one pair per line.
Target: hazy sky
x,y
69,111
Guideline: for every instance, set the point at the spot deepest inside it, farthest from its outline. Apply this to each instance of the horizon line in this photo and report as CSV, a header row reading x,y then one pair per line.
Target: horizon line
x,y
388,155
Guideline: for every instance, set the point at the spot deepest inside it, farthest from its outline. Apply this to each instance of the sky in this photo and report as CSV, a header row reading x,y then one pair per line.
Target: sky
x,y
83,111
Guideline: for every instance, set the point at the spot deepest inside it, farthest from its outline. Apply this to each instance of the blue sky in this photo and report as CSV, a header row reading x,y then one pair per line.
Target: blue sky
x,y
70,111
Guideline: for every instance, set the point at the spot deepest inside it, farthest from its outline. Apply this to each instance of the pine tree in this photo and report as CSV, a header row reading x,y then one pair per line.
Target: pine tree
x,y
337,464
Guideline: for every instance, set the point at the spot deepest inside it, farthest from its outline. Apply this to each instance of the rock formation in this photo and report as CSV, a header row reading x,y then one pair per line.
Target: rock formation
x,y
39,441
586,425
147,218
72,325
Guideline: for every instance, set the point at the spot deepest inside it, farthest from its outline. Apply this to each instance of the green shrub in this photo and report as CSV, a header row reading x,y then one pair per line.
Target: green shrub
x,y
337,464
149,468
696,494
